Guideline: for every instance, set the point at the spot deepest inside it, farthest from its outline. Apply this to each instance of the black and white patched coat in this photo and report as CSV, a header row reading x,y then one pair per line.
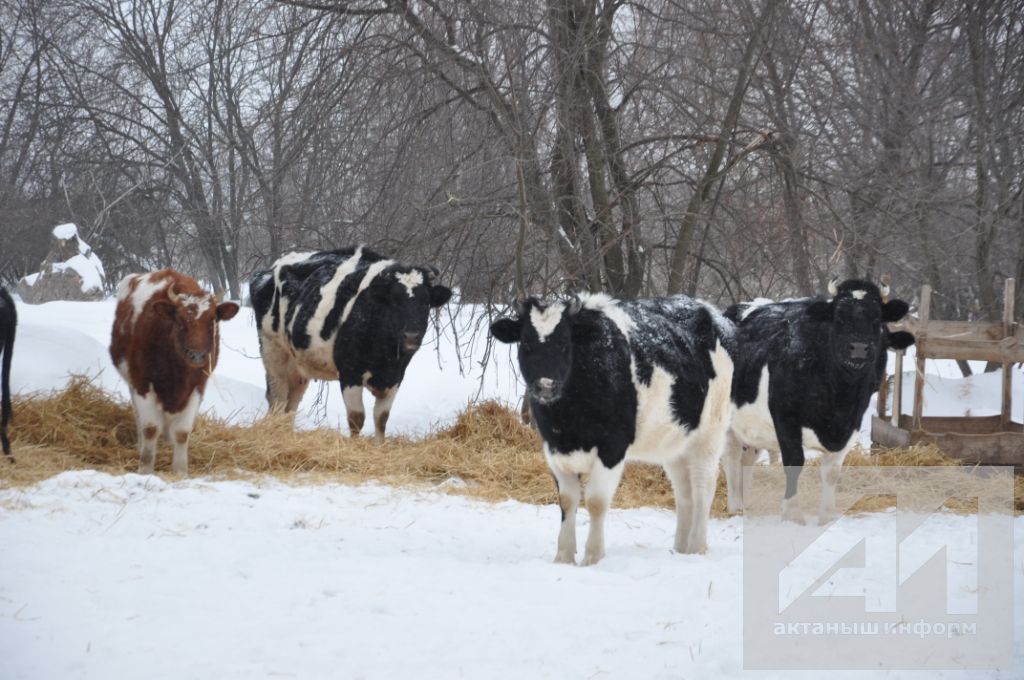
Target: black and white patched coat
x,y
805,374
350,315
610,380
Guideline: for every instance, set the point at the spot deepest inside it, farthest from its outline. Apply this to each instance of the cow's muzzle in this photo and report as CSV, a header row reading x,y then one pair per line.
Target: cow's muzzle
x,y
545,390
856,355
197,357
411,342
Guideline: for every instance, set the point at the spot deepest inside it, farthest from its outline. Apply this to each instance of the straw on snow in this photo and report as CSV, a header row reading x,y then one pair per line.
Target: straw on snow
x,y
487,453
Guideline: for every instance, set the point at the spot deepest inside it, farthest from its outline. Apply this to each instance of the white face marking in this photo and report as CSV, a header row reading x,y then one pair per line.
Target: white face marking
x,y
545,322
410,280
601,302
858,294
196,305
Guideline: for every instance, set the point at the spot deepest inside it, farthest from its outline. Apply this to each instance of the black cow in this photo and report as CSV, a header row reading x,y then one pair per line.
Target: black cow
x,y
8,323
350,315
807,369
611,380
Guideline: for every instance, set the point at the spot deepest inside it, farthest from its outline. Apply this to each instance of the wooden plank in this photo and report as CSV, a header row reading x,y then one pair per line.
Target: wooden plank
x,y
1006,351
1008,299
897,389
954,330
1004,448
883,395
961,424
922,334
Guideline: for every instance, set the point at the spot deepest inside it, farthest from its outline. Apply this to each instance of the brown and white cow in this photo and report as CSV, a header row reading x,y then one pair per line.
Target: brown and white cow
x,y
165,345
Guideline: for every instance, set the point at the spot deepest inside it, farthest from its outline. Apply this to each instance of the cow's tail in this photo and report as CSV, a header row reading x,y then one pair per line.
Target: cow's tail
x,y
5,382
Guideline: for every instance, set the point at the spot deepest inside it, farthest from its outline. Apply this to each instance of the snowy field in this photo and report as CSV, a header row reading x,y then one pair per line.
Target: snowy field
x,y
132,576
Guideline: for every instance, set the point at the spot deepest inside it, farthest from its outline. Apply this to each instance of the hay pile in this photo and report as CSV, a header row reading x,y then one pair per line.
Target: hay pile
x,y
487,453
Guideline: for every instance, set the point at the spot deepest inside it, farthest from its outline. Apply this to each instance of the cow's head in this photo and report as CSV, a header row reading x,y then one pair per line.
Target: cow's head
x,y
545,333
404,296
856,317
193,319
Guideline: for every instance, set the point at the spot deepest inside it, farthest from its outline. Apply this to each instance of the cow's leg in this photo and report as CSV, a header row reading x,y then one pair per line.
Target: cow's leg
x,y
179,428
600,489
792,450
276,363
693,484
748,458
149,420
382,409
568,484
703,478
297,385
678,473
353,397
732,464
831,464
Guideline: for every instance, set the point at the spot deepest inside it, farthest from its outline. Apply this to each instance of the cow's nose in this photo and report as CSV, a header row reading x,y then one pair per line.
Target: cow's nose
x,y
858,350
411,342
196,357
546,388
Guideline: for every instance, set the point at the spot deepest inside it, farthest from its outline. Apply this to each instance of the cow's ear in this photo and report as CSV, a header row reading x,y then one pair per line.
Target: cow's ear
x,y
900,340
820,310
894,310
507,330
584,330
439,295
226,311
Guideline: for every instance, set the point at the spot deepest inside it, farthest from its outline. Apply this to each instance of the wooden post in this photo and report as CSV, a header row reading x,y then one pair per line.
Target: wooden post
x,y
922,333
897,390
1008,330
883,394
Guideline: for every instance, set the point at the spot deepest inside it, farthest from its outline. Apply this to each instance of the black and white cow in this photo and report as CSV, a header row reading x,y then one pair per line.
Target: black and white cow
x,y
611,380
8,323
805,373
350,315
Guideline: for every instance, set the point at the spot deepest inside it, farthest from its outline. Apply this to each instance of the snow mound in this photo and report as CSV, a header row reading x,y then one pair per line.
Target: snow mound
x,y
71,271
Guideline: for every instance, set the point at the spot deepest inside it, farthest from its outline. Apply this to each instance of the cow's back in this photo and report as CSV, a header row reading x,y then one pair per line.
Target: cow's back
x,y
643,384
301,302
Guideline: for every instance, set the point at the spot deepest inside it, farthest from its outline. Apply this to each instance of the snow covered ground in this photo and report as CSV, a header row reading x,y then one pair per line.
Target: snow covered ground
x,y
132,576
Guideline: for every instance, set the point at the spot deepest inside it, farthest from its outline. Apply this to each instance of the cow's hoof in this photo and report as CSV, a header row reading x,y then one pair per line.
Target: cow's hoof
x,y
827,517
794,515
686,549
591,558
565,558
145,469
735,508
181,470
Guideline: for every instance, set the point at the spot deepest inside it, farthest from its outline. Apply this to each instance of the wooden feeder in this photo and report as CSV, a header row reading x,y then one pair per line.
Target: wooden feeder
x,y
989,440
